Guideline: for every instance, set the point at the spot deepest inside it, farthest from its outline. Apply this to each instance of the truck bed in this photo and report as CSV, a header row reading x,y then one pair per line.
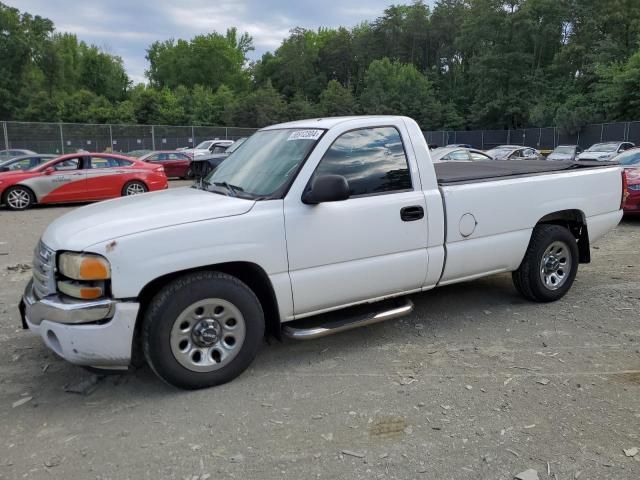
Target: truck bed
x,y
456,173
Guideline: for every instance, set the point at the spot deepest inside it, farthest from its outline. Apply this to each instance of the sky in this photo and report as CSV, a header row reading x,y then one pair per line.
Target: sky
x,y
127,27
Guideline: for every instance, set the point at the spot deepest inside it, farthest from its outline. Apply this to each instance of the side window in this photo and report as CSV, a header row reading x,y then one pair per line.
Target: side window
x,y
479,156
69,164
23,164
175,156
218,149
153,157
372,160
459,156
108,162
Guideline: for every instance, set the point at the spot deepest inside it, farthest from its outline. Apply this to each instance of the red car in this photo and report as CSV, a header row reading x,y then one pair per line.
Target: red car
x,y
176,164
632,197
80,177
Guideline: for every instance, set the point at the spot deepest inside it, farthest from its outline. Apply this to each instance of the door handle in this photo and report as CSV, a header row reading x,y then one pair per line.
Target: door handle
x,y
411,214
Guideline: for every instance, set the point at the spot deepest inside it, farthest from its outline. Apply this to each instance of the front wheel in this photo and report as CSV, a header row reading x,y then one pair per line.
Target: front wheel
x,y
18,198
203,329
549,266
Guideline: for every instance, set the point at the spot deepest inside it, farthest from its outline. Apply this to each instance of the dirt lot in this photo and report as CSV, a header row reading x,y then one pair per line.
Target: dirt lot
x,y
477,383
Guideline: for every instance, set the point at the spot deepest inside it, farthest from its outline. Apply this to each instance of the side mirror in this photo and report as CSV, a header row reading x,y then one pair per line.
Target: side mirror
x,y
49,170
326,188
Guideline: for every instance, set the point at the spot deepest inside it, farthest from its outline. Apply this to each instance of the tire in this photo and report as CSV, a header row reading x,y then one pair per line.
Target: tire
x,y
189,174
549,266
18,198
134,187
202,329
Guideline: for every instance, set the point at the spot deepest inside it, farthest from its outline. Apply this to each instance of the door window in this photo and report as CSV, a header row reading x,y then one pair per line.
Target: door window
x,y
372,160
479,156
69,164
457,156
108,162
176,156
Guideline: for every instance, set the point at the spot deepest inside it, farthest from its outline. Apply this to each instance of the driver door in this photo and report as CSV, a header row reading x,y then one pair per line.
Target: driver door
x,y
368,246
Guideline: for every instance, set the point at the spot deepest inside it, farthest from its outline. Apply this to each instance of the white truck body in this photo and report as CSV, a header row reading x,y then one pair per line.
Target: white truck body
x,y
324,257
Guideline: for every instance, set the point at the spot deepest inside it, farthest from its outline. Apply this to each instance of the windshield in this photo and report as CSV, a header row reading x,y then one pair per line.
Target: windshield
x,y
632,157
204,145
565,150
603,147
264,164
235,145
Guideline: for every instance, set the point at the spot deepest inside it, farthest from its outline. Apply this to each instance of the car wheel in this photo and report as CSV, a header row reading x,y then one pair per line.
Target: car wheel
x,y
201,330
134,188
549,266
18,198
189,174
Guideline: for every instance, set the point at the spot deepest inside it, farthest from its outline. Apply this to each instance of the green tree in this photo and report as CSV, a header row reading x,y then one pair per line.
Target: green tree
x,y
264,106
337,100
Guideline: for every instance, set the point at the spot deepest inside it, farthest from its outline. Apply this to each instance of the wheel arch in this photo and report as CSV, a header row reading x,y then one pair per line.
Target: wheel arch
x,y
249,273
576,222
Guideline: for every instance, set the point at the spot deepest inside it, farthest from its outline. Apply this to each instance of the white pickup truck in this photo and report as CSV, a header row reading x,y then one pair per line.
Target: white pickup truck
x,y
309,217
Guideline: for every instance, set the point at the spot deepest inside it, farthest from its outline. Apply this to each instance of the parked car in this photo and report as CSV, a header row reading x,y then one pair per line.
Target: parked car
x,y
628,158
565,152
14,152
456,154
79,178
208,147
176,164
205,164
514,152
462,145
138,153
25,162
604,151
631,204
305,218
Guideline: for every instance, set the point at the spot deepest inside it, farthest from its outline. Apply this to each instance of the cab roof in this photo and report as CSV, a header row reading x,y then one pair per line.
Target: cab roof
x,y
330,122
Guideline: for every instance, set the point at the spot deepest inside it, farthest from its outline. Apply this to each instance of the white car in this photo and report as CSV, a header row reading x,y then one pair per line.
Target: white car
x,y
208,147
308,217
605,151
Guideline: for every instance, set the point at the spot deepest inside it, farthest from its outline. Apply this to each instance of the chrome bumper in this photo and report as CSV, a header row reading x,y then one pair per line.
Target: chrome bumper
x,y
97,334
56,308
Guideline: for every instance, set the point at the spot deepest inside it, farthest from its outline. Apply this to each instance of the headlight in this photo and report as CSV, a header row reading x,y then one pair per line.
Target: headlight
x,y
84,266
80,290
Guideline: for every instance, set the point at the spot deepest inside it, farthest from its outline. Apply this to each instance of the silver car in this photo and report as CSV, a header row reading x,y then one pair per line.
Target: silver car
x,y
565,152
605,151
457,154
514,152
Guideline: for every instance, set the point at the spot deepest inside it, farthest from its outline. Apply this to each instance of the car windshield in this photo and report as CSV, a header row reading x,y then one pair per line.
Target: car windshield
x,y
204,145
631,157
565,150
603,147
235,145
265,163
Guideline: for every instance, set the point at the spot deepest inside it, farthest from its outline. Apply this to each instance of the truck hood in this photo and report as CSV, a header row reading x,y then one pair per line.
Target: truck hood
x,y
117,218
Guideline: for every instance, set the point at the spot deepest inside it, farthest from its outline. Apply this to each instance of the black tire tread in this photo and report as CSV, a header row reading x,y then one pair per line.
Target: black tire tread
x,y
523,276
166,293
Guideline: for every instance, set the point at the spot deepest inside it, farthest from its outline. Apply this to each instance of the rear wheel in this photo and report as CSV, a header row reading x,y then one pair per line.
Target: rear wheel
x,y
203,329
18,198
134,188
549,266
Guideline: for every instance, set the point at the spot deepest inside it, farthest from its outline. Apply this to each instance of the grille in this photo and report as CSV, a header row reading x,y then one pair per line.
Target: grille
x,y
43,271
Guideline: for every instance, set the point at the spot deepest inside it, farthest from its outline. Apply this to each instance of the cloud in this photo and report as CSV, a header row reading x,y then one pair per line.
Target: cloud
x,y
126,28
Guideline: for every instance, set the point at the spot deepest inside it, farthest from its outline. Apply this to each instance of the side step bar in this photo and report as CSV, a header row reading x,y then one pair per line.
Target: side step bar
x,y
315,328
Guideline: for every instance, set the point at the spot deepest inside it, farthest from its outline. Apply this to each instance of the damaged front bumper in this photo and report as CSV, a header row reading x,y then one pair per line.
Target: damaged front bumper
x,y
94,333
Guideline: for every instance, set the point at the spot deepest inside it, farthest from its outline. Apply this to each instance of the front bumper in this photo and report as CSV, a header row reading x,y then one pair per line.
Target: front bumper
x,y
97,334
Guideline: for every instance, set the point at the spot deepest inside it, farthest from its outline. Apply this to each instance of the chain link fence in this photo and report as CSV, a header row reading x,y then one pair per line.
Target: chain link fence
x,y
61,138
541,138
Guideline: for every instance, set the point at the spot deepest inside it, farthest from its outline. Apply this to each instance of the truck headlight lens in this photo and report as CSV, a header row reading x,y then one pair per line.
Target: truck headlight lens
x,y
84,266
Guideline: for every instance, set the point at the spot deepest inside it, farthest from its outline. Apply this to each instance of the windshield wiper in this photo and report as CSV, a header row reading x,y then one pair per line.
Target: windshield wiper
x,y
233,189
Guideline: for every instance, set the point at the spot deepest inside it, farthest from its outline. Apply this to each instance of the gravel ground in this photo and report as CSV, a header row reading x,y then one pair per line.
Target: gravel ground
x,y
477,383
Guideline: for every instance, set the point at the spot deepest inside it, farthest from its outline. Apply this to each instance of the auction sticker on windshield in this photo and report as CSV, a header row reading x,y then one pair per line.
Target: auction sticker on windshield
x,y
305,135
